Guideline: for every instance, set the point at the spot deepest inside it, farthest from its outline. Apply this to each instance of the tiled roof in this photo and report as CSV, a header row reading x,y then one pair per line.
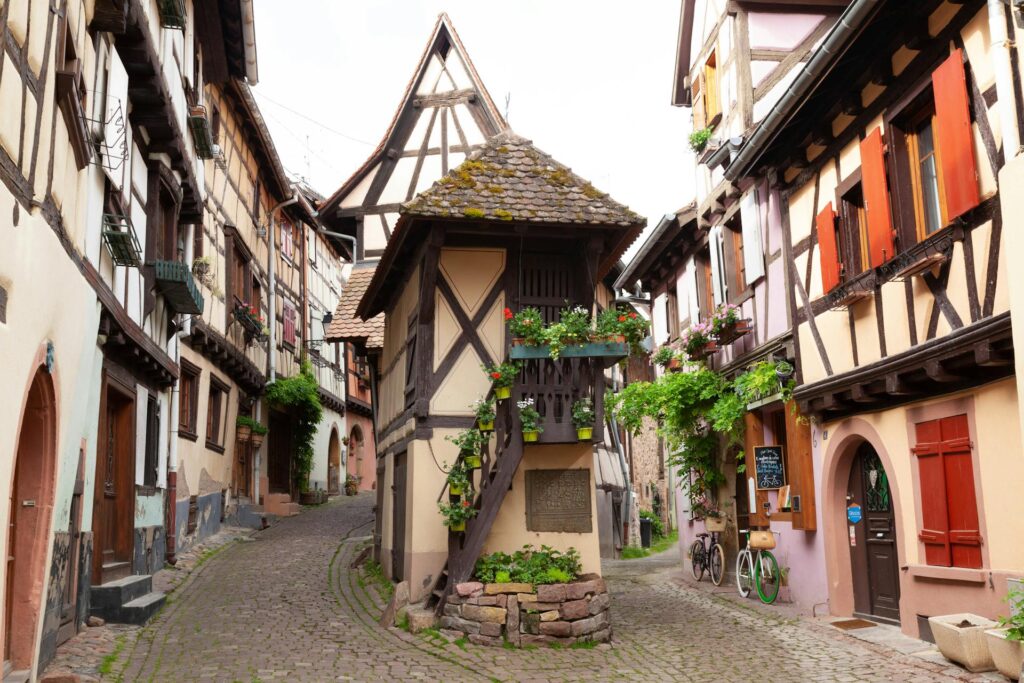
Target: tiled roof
x,y
346,326
510,179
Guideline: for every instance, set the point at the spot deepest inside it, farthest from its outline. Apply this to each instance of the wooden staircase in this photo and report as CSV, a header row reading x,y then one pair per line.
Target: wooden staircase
x,y
496,473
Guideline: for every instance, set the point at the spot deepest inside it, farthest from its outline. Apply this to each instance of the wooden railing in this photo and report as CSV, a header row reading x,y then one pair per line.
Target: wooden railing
x,y
555,385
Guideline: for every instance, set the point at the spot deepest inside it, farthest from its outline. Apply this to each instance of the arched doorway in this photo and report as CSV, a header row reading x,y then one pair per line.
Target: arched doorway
x,y
872,532
333,463
355,451
31,504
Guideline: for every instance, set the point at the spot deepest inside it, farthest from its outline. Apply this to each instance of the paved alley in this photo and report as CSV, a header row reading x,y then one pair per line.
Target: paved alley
x,y
285,607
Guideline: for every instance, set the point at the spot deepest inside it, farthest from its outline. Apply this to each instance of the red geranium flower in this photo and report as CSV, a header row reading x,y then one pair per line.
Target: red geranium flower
x,y
465,503
508,314
622,318
496,375
633,316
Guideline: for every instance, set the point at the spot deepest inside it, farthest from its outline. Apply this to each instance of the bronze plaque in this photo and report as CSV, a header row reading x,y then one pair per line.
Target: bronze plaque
x,y
558,500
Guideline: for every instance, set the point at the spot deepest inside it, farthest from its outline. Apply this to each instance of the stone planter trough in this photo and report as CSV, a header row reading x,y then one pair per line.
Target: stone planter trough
x,y
961,638
1007,655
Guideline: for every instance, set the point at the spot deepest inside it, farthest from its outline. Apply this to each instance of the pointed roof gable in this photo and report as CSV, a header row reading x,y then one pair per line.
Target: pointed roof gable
x,y
511,180
346,326
444,42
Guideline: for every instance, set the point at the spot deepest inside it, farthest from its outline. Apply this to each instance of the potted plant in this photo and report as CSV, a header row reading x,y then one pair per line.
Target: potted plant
x,y
458,479
1007,643
583,419
503,376
573,328
783,370
469,442
726,324
666,357
699,139
485,413
526,326
456,513
530,419
351,485
961,638
243,428
259,431
620,324
697,342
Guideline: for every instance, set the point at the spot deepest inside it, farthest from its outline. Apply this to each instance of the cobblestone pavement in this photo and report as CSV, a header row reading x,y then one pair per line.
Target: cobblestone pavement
x,y
285,606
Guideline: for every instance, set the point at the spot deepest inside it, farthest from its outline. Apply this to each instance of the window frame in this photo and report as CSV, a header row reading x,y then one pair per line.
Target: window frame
x,y
151,454
216,413
851,233
188,406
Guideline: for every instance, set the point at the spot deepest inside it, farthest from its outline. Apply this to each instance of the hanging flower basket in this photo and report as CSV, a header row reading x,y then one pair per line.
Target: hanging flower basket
x,y
674,364
472,461
485,427
708,349
243,433
256,440
455,489
458,526
585,433
530,436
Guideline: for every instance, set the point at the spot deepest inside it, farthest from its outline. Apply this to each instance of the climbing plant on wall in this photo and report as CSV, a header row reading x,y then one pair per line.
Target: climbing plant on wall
x,y
299,398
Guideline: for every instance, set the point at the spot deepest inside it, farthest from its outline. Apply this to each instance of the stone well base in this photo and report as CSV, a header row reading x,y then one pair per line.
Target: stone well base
x,y
565,613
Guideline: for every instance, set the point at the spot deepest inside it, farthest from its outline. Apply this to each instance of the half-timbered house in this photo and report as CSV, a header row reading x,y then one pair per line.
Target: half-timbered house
x,y
885,156
445,114
491,234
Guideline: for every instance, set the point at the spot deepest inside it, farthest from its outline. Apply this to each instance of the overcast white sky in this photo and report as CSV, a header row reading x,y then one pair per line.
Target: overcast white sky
x,y
589,82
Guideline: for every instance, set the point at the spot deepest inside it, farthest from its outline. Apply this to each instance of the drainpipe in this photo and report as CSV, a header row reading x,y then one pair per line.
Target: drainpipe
x,y
1001,63
252,73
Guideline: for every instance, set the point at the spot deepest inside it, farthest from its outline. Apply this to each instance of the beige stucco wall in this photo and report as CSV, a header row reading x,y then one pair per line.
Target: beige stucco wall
x,y
202,470
391,394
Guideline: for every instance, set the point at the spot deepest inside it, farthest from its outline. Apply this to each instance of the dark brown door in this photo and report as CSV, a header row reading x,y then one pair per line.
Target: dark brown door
x,y
279,457
114,508
876,578
399,493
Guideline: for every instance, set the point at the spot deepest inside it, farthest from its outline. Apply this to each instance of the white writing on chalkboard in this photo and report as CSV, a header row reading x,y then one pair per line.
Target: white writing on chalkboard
x,y
769,467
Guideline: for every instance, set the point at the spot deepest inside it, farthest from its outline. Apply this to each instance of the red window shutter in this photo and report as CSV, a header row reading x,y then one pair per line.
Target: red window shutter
x,y
961,503
954,136
934,518
289,324
876,199
827,248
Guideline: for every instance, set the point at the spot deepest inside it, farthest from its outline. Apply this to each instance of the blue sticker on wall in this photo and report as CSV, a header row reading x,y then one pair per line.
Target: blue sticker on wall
x,y
854,514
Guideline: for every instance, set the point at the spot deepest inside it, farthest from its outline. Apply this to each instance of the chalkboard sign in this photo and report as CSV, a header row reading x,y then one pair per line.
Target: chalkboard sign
x,y
770,467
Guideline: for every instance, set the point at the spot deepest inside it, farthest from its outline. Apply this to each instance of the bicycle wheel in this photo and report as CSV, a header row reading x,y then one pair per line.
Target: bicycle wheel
x,y
716,564
767,577
697,560
744,573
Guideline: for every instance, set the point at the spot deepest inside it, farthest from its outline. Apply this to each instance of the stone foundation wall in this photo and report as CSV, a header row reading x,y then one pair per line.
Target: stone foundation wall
x,y
565,613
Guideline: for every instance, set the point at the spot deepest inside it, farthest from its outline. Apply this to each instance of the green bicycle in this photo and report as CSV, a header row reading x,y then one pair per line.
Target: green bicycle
x,y
760,571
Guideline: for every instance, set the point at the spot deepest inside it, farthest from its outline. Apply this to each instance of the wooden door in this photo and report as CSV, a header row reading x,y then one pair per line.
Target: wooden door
x,y
398,508
114,506
279,456
876,578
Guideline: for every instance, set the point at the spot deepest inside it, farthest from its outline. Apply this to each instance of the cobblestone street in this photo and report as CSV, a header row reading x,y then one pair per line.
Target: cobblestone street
x,y
284,606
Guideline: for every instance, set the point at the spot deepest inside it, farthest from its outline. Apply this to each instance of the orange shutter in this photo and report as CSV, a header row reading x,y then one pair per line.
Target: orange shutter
x,y
954,137
827,248
876,199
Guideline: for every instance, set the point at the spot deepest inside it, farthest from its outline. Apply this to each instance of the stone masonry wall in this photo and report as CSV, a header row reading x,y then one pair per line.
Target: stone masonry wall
x,y
565,613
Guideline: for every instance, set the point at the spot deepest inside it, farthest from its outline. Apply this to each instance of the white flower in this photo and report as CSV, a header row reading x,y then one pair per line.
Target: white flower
x,y
524,403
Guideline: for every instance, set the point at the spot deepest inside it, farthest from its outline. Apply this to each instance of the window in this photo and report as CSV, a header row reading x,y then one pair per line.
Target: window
x,y
70,93
152,455
672,313
215,414
706,105
256,299
949,509
288,315
188,400
705,284
287,241
215,124
197,240
735,275
239,271
166,243
852,232
929,198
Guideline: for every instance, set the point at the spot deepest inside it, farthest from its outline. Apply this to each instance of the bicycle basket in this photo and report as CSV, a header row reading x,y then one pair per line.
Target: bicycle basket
x,y
714,524
762,540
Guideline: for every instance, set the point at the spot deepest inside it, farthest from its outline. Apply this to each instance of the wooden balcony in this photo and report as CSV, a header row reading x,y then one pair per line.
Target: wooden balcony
x,y
555,385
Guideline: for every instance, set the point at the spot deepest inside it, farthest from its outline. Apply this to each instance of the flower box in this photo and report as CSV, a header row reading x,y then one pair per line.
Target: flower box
x,y
605,349
733,331
961,638
1007,655
708,349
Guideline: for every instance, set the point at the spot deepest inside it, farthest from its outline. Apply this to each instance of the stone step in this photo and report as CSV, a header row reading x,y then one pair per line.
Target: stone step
x,y
21,676
139,610
118,592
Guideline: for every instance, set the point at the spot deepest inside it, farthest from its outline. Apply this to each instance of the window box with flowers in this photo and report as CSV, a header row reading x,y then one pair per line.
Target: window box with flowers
x,y
573,336
727,326
697,342
251,321
530,420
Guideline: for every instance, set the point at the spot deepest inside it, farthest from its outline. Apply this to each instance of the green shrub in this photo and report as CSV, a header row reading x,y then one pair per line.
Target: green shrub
x,y
529,565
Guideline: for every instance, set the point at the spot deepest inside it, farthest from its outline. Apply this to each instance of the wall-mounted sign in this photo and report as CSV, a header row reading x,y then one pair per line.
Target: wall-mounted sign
x,y
558,500
769,467
854,514
853,536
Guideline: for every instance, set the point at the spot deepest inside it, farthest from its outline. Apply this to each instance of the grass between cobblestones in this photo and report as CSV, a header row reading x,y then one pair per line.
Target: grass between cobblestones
x,y
658,545
107,665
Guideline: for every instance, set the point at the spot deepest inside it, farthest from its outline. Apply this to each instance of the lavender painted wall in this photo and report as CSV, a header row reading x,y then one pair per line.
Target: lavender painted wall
x,y
780,31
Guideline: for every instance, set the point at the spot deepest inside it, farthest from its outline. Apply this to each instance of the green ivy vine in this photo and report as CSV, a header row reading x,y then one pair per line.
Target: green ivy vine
x,y
299,398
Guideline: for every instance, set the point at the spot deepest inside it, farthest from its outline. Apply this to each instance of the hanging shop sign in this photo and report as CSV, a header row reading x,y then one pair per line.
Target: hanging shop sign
x,y
854,514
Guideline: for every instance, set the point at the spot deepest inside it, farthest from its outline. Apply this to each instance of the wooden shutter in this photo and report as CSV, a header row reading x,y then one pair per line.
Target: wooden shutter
x,y
753,436
753,252
116,132
801,468
699,116
718,285
949,525
954,137
289,324
827,248
876,199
